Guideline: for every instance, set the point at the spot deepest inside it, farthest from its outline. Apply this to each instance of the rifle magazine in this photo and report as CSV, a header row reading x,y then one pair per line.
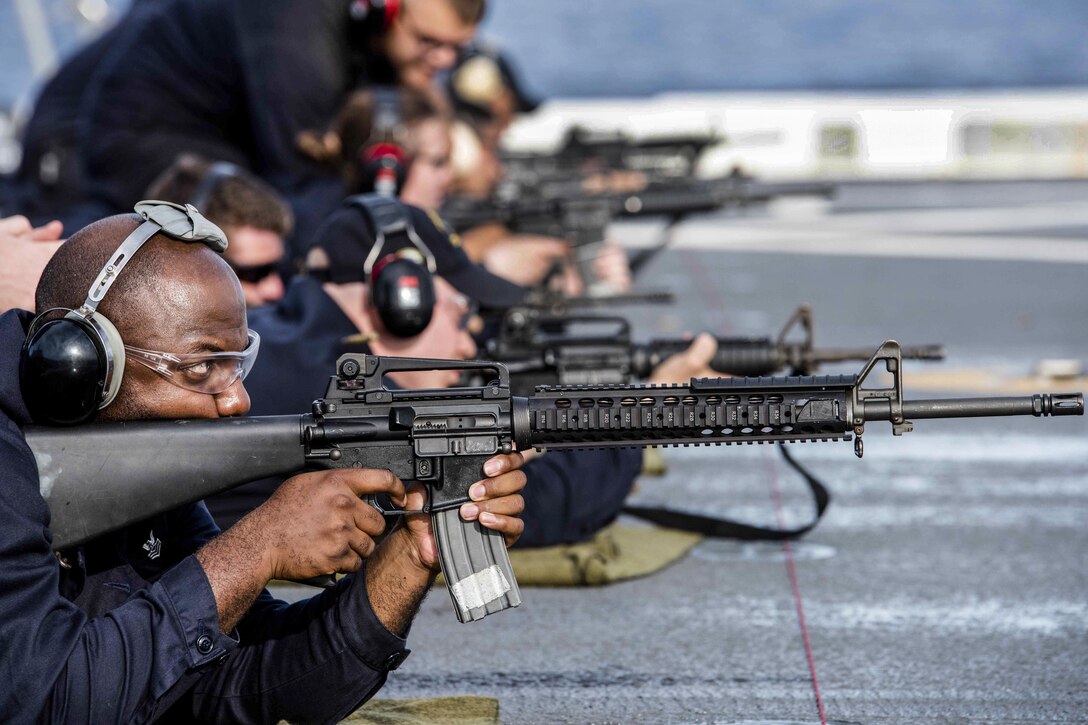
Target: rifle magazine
x,y
476,565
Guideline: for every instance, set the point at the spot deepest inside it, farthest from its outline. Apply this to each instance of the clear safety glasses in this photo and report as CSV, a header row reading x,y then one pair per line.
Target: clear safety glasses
x,y
210,373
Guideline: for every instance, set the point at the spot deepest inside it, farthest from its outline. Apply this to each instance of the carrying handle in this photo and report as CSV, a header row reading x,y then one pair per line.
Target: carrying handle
x,y
370,370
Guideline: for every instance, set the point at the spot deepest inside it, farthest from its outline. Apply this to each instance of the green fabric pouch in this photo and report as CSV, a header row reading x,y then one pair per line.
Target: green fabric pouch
x,y
616,553
458,710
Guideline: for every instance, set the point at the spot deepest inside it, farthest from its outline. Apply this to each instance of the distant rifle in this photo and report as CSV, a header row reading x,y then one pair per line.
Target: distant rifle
x,y
547,301
588,151
101,477
542,349
583,219
554,302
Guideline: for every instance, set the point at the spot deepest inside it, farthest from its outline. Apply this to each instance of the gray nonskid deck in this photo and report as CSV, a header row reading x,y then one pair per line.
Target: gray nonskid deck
x,y
947,583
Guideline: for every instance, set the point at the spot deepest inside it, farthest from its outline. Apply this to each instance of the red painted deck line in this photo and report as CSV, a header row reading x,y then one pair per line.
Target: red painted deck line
x,y
791,570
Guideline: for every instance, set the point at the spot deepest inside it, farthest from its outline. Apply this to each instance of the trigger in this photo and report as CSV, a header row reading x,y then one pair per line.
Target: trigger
x,y
382,505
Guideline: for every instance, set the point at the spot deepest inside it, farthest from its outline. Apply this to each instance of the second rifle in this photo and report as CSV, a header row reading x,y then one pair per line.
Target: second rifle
x,y
542,349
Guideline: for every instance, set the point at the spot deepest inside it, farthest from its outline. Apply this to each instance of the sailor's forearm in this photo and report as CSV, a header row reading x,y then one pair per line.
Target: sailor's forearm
x,y
397,581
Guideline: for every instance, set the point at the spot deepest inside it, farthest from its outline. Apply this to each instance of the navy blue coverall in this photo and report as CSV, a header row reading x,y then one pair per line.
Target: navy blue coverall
x,y
230,80
131,633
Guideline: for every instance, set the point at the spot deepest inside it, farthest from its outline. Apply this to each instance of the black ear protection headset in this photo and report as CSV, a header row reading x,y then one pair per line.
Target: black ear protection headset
x,y
401,288
383,162
374,16
71,366
209,183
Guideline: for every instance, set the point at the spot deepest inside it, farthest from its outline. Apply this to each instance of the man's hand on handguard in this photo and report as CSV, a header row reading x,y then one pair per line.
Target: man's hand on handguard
x,y
404,566
525,259
692,363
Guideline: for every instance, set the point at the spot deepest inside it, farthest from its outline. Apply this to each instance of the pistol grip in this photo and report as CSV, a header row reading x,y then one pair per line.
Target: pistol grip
x,y
476,566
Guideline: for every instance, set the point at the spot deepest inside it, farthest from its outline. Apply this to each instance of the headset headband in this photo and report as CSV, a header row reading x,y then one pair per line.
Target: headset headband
x,y
386,119
183,223
217,173
389,218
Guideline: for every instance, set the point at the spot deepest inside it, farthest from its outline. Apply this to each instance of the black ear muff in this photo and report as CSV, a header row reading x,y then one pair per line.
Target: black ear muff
x,y
402,292
71,368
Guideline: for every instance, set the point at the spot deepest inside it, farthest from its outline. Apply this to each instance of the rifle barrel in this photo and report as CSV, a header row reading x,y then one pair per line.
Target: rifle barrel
x,y
754,356
1038,405
850,354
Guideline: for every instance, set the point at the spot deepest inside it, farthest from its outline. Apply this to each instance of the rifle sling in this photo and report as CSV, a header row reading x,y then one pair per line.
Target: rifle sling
x,y
727,529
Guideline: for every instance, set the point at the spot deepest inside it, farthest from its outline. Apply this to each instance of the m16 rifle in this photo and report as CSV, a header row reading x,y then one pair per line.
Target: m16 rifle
x,y
583,219
587,151
101,477
554,302
543,349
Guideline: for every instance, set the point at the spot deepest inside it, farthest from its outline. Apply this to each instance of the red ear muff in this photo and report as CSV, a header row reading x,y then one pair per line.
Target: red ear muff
x,y
392,8
402,291
384,168
375,15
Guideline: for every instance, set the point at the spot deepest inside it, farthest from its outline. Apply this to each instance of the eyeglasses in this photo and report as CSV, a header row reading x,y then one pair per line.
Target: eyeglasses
x,y
470,319
210,373
438,161
428,43
256,272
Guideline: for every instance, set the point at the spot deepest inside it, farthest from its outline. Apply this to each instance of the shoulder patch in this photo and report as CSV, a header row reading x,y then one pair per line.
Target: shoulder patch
x,y
440,225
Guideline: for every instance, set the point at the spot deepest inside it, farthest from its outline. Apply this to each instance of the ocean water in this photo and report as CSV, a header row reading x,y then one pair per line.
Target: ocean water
x,y
641,47
638,47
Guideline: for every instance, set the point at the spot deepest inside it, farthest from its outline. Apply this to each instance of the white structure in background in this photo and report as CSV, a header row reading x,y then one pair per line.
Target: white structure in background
x,y
939,135
38,39
36,22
